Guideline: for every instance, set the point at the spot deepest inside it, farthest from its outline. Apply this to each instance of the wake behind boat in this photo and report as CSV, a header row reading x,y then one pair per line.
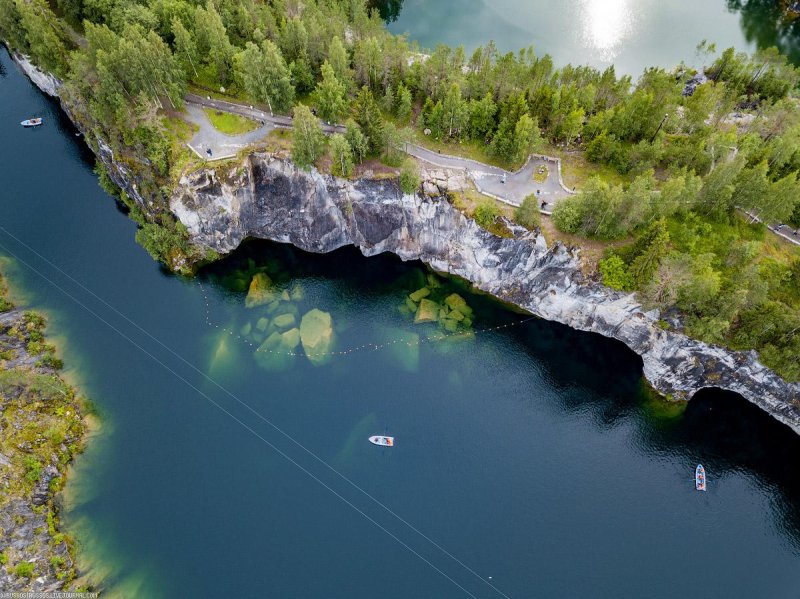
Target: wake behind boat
x,y
32,122
700,478
382,441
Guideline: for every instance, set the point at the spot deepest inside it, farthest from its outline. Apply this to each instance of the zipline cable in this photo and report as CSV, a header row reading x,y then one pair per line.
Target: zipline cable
x,y
250,409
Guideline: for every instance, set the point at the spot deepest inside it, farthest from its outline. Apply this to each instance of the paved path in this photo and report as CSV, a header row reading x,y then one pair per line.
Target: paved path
x,y
221,145
509,187
506,186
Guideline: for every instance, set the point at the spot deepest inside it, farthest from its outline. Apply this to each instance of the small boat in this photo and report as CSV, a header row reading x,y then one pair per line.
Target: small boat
x,y
700,478
32,122
382,441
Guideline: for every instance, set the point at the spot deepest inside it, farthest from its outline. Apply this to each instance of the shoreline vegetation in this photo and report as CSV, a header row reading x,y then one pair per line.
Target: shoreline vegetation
x,y
667,164
44,424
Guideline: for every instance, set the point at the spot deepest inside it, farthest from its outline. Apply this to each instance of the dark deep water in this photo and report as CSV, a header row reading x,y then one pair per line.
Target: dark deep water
x,y
529,453
630,34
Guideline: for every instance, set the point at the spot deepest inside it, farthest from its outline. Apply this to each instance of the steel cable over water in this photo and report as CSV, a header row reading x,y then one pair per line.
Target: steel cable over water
x,y
255,413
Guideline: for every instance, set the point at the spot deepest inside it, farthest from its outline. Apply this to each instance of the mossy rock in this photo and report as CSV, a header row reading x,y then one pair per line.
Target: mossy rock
x,y
316,335
245,330
262,323
455,315
260,291
412,307
284,321
405,310
419,294
274,305
285,296
449,324
459,304
275,354
428,311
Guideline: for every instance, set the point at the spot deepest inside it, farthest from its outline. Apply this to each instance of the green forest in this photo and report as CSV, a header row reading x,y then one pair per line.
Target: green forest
x,y
694,174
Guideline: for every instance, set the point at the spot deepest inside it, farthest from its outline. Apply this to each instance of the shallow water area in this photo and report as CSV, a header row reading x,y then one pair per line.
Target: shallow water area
x,y
527,453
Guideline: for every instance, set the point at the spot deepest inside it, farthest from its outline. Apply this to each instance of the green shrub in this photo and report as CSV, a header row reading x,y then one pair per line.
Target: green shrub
x,y
615,273
24,569
527,214
409,176
486,213
33,469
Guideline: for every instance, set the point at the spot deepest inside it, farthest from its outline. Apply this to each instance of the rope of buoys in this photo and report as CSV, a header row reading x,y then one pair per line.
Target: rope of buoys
x,y
359,348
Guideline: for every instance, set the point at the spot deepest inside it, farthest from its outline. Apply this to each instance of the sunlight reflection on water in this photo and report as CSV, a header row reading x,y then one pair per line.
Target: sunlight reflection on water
x,y
606,25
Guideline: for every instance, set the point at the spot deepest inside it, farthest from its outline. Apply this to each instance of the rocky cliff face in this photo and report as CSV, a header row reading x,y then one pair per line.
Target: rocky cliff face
x,y
268,198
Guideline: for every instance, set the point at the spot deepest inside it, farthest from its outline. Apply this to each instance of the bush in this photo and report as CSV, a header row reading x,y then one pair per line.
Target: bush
x,y
409,176
486,213
24,569
527,214
615,273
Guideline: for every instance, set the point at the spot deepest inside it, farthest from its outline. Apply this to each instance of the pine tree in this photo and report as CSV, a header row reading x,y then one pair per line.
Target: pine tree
x,y
330,95
369,118
403,103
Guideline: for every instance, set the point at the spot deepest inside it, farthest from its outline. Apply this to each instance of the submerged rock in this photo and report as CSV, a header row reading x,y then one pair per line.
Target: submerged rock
x,y
284,321
419,294
316,334
260,291
427,311
276,353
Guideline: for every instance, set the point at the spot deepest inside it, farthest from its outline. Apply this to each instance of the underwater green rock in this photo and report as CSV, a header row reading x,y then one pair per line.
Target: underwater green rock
x,y
245,330
316,334
275,353
428,311
284,321
459,304
419,294
260,291
262,323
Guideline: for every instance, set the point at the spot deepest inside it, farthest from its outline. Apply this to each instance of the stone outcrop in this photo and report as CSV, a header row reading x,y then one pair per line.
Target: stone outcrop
x,y
269,198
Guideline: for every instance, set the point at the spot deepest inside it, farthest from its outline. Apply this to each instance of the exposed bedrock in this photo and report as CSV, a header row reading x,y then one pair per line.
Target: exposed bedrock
x,y
269,198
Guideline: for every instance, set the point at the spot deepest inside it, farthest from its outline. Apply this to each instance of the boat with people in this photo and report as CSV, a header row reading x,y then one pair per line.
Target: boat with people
x,y
32,122
700,478
382,440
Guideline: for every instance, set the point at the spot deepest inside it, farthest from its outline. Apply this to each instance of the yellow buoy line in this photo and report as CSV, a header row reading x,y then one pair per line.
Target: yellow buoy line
x,y
359,348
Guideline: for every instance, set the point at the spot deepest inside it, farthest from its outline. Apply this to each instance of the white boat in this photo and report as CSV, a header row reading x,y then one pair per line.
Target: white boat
x,y
382,441
32,122
700,478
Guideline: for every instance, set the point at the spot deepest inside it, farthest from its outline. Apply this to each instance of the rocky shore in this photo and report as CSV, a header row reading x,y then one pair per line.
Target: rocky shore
x,y
42,428
268,198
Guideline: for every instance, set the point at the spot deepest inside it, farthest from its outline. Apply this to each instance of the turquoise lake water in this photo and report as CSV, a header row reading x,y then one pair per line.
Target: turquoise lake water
x,y
630,34
529,462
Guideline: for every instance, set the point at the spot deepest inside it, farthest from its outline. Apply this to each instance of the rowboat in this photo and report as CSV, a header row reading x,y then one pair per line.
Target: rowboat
x,y
31,122
382,441
700,478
